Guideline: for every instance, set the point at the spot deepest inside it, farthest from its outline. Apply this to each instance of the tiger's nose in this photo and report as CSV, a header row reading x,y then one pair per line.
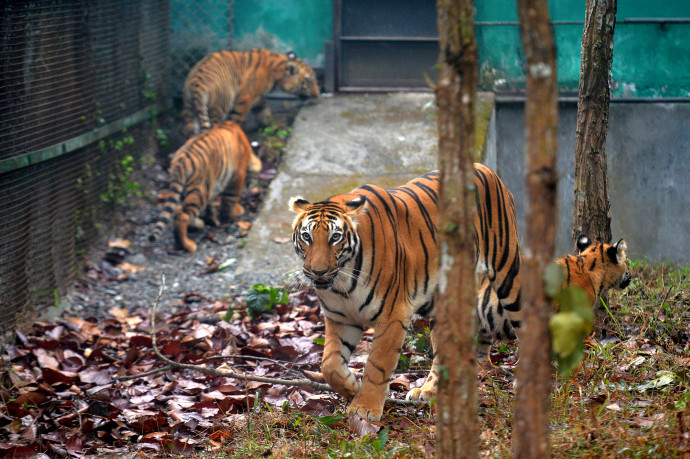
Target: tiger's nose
x,y
319,273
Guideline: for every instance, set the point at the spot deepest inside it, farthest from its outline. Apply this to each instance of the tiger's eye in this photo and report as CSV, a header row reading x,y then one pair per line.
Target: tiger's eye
x,y
306,237
336,237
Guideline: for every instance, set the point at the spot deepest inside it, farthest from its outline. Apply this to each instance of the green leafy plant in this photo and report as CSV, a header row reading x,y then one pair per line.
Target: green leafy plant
x,y
381,440
273,140
162,138
421,342
261,298
573,321
121,187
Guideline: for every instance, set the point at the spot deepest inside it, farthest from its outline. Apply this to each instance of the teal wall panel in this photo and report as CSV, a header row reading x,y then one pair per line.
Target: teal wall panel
x,y
649,60
302,26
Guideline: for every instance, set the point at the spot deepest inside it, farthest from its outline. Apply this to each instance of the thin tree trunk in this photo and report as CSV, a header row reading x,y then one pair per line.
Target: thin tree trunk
x,y
591,207
457,427
531,422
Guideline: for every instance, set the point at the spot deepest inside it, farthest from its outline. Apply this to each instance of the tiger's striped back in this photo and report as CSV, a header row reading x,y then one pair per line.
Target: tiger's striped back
x,y
212,163
230,83
372,256
497,259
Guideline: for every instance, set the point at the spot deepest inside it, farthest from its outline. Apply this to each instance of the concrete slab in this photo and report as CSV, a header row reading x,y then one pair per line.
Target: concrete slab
x,y
338,144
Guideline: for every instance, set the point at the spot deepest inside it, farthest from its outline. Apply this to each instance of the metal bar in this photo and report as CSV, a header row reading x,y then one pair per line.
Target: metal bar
x,y
70,145
622,21
372,38
519,98
364,89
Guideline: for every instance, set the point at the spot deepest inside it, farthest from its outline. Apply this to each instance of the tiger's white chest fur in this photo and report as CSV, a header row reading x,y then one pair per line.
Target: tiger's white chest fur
x,y
363,305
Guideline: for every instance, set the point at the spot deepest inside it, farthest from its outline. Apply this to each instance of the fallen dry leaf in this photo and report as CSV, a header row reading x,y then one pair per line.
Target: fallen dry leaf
x,y
360,426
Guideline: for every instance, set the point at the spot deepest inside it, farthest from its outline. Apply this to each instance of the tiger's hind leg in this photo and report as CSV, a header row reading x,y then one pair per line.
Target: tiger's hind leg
x,y
487,305
211,215
496,321
230,207
187,214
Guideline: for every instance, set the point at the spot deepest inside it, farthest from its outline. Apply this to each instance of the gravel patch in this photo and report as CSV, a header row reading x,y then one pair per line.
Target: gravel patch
x,y
130,277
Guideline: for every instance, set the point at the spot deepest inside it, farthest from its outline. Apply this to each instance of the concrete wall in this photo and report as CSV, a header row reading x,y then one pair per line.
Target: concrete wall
x,y
648,147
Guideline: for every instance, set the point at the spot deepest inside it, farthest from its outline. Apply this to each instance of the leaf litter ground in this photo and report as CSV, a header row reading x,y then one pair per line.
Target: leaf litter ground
x,y
61,396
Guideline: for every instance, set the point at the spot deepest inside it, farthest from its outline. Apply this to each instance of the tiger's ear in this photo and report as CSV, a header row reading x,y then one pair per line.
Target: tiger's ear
x,y
616,252
291,55
298,204
292,68
582,243
355,206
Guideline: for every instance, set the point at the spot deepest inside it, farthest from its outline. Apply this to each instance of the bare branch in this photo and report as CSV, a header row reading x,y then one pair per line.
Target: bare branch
x,y
172,365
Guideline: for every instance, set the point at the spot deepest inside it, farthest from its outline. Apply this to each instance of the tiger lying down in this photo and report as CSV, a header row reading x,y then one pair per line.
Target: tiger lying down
x,y
215,162
371,255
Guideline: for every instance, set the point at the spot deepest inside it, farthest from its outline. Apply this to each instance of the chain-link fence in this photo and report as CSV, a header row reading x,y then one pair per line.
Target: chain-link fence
x,y
196,30
78,79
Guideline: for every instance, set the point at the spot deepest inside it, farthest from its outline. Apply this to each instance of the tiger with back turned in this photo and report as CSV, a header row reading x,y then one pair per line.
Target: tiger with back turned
x,y
212,163
230,83
372,256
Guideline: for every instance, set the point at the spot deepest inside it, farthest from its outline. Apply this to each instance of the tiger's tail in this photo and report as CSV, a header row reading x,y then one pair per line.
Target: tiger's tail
x,y
171,204
195,113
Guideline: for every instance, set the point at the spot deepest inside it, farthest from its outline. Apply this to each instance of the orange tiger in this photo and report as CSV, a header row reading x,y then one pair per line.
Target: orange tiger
x,y
372,256
214,162
597,267
231,82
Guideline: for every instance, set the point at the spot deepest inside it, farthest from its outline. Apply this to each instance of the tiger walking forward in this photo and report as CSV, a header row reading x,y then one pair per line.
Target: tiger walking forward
x,y
372,257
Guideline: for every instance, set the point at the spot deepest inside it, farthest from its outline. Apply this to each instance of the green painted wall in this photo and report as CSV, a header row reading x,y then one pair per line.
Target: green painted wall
x,y
302,26
649,60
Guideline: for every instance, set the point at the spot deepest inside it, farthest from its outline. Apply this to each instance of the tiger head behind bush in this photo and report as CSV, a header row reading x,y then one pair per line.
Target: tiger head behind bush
x,y
597,267
227,84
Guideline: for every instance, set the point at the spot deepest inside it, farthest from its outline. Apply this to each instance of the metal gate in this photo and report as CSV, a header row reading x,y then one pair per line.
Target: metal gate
x,y
385,45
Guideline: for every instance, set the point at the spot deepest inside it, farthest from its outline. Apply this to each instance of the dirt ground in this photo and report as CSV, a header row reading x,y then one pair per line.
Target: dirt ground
x,y
130,273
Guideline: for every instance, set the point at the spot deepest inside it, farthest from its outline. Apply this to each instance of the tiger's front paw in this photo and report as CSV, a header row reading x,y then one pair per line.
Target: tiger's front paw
x,y
188,245
371,413
421,395
427,392
237,210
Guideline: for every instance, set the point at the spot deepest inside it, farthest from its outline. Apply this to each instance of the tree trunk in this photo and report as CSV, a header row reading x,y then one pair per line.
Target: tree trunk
x,y
531,422
591,207
457,426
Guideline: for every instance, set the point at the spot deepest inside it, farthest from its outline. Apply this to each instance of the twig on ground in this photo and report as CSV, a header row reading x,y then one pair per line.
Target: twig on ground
x,y
171,364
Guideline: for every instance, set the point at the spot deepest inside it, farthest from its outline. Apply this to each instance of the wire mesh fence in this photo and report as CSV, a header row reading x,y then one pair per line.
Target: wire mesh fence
x,y
78,78
196,30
